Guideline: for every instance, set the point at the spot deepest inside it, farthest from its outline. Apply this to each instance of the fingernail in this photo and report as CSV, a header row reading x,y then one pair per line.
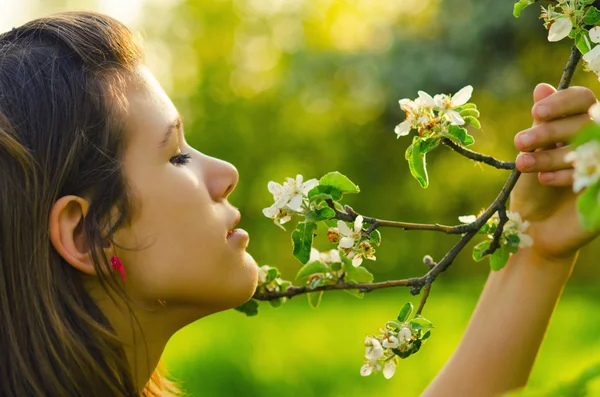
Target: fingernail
x,y
527,160
526,139
542,111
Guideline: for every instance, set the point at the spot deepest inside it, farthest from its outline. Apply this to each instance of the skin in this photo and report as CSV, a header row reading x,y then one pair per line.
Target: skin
x,y
182,267
499,347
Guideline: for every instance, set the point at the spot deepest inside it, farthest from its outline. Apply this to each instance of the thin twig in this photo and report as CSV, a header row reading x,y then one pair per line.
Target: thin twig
x,y
482,158
350,215
426,290
495,244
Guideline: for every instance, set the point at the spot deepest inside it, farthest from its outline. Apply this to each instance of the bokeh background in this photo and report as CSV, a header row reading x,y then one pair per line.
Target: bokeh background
x,y
280,87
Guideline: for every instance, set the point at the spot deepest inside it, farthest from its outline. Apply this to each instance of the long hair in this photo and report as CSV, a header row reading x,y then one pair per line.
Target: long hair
x,y
62,109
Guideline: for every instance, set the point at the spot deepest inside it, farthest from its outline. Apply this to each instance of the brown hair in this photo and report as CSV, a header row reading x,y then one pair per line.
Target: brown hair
x,y
62,85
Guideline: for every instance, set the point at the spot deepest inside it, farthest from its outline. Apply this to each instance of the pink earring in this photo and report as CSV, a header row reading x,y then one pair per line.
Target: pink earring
x,y
118,265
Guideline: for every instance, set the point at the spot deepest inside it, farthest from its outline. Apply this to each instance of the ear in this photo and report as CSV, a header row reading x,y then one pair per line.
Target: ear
x,y
67,234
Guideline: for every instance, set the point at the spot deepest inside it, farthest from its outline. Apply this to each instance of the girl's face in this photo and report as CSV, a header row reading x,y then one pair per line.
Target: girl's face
x,y
182,255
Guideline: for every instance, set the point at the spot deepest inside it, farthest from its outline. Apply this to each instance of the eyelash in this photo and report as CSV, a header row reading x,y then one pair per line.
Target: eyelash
x,y
181,159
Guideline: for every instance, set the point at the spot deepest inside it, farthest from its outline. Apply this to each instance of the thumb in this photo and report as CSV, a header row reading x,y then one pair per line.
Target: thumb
x,y
541,91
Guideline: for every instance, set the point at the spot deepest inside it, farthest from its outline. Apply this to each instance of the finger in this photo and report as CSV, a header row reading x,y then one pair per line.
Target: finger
x,y
550,133
561,178
573,100
543,161
542,91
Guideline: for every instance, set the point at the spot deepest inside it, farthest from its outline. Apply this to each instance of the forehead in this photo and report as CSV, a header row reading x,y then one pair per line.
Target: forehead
x,y
150,109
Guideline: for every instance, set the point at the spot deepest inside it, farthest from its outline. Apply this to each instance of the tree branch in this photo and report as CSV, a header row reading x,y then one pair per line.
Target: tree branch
x,y
482,158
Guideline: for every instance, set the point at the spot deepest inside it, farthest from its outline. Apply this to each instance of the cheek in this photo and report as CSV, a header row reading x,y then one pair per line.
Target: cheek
x,y
185,257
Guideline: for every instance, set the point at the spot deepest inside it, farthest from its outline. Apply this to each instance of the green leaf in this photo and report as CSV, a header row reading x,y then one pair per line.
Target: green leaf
x,y
358,275
375,239
302,239
311,268
417,162
249,308
469,112
339,182
520,6
428,144
320,215
478,250
499,258
466,106
460,135
580,41
592,16
276,302
426,335
319,192
588,133
589,207
405,312
418,323
472,121
513,239
314,299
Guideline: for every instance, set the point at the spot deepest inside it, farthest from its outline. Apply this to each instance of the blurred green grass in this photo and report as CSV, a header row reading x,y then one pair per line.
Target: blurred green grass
x,y
298,351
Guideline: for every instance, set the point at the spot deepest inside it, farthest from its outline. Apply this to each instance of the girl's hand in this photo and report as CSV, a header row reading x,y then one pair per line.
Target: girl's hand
x,y
544,193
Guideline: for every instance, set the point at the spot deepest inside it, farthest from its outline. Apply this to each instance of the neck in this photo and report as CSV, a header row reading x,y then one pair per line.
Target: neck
x,y
144,331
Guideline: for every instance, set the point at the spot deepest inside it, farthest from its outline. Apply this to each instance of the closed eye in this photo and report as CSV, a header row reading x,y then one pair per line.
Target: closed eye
x,y
180,159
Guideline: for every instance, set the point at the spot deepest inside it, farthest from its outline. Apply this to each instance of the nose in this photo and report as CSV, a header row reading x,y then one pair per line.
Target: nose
x,y
221,178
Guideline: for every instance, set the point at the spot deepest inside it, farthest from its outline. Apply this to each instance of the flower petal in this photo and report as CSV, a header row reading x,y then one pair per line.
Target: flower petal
x,y
390,369
425,100
357,260
403,128
344,229
358,223
467,218
346,242
594,112
595,34
308,186
462,96
560,29
454,117
315,255
366,370
275,188
295,203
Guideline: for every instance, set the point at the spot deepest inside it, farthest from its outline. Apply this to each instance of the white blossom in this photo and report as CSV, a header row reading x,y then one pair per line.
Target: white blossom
x,y
404,335
594,112
374,349
350,236
595,34
389,369
467,218
368,367
262,273
391,342
299,190
517,225
331,256
592,58
586,161
560,29
446,104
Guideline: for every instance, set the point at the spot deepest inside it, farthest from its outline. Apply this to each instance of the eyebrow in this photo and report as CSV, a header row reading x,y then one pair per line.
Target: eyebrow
x,y
175,125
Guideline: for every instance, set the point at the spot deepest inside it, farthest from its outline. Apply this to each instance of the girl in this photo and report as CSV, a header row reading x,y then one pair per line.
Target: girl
x,y
115,233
